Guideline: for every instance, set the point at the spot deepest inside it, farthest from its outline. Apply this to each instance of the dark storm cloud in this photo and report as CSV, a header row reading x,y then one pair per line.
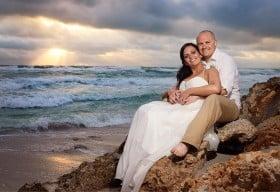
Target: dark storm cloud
x,y
144,15
257,16
18,43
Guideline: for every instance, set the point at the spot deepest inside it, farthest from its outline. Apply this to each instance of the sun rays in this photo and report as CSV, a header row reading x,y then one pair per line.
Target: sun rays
x,y
55,57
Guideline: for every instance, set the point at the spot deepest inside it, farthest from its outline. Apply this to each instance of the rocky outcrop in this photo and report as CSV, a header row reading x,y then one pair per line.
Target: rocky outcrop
x,y
268,134
262,102
90,176
253,171
241,129
235,136
167,174
38,187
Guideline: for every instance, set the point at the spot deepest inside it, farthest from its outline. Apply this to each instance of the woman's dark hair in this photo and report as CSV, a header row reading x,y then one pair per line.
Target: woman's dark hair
x,y
185,71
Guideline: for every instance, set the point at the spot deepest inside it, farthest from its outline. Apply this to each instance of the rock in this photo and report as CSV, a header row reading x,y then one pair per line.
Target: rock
x,y
33,187
235,135
268,134
90,176
262,102
242,129
79,146
253,171
64,126
167,175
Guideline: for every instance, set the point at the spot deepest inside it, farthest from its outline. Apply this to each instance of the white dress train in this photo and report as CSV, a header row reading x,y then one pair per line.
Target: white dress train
x,y
156,128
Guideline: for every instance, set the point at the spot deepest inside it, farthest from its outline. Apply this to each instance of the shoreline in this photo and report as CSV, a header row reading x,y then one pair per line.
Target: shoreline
x,y
46,155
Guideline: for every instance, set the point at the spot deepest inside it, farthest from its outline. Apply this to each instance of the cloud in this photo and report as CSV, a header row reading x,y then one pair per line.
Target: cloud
x,y
257,17
130,32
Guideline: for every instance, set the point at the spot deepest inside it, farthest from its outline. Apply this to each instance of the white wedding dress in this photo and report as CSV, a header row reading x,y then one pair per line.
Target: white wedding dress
x,y
156,128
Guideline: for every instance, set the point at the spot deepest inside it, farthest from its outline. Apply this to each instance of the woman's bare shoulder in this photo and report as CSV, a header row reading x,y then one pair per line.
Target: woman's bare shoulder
x,y
211,69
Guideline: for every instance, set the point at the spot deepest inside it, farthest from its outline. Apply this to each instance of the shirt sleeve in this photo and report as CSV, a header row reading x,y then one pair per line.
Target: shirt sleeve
x,y
227,73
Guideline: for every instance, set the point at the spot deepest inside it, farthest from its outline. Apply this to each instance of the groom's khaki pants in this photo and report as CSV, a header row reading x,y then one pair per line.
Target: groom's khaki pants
x,y
216,108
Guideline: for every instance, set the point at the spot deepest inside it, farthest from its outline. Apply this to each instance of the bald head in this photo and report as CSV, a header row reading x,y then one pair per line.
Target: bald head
x,y
207,32
206,42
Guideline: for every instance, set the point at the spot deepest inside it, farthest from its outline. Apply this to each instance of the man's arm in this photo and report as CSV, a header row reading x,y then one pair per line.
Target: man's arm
x,y
227,75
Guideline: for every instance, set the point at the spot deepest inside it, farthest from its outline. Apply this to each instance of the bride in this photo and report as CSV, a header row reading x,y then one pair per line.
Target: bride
x,y
159,125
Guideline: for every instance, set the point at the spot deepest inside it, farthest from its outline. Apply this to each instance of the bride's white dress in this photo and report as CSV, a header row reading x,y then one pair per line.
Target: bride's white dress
x,y
156,128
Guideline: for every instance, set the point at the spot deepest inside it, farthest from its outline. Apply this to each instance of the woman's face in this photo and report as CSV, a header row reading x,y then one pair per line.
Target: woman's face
x,y
191,56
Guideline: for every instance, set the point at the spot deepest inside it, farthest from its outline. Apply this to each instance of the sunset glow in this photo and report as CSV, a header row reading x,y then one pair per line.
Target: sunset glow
x,y
134,34
55,56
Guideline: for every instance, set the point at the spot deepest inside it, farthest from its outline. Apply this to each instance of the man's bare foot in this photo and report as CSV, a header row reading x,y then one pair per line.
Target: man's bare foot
x,y
180,150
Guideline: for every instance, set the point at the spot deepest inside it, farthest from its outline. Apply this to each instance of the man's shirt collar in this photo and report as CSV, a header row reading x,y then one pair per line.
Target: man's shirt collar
x,y
215,55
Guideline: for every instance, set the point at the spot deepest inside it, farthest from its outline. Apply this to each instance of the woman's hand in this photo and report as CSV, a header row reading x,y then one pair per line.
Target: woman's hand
x,y
173,96
184,96
191,99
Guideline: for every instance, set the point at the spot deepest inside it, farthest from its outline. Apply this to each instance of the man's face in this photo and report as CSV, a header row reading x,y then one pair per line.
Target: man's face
x,y
206,45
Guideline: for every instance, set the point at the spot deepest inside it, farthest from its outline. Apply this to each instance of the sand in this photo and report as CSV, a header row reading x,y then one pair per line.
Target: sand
x,y
44,156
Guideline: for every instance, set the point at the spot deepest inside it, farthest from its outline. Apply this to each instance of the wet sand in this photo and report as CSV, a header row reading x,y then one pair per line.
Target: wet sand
x,y
44,156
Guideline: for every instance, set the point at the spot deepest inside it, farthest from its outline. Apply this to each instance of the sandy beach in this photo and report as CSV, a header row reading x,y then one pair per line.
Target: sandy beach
x,y
44,156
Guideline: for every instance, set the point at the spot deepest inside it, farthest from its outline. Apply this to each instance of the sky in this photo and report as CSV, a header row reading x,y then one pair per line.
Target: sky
x,y
135,32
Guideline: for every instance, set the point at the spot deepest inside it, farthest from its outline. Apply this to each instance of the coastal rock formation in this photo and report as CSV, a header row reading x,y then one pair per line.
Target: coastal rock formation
x,y
262,102
32,188
167,175
268,134
241,129
90,176
235,136
253,171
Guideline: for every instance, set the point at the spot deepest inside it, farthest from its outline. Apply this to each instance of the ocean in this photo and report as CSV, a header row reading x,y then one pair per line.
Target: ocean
x,y
33,97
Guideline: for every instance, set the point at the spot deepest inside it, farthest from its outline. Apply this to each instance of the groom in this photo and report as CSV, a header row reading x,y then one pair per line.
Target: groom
x,y
216,108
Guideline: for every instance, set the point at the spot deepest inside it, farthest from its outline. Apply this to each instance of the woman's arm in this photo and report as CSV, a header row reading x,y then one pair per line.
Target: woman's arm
x,y
168,93
213,87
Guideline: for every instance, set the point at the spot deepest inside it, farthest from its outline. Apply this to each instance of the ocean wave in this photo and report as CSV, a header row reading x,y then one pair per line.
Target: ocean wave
x,y
248,71
97,70
35,82
76,122
30,83
55,99
35,100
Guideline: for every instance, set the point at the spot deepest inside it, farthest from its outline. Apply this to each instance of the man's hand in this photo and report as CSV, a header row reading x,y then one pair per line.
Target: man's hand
x,y
180,150
224,92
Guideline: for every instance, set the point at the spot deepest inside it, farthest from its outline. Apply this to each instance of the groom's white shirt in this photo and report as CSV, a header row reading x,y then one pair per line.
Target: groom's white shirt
x,y
228,74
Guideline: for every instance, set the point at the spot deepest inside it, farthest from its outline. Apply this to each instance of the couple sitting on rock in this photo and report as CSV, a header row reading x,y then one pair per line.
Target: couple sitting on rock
x,y
206,92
